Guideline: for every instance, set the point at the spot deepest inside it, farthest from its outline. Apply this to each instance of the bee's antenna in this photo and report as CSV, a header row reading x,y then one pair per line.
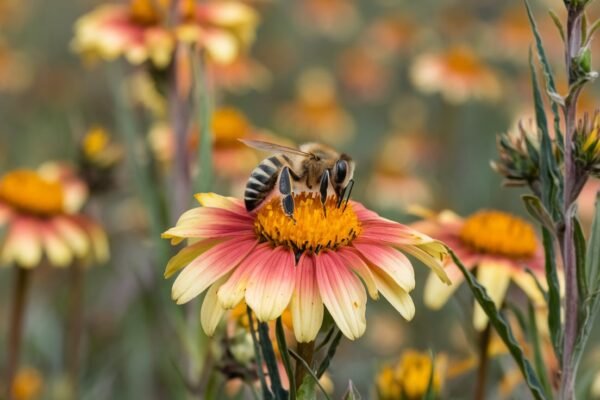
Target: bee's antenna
x,y
349,187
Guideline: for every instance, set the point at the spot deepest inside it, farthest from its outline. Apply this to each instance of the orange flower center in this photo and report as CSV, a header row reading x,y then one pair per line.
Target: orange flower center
x,y
228,125
150,12
312,228
499,233
29,192
462,61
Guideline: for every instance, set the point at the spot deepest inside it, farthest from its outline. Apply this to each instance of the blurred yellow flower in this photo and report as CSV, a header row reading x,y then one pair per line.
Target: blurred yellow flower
x,y
500,245
316,113
457,73
409,378
139,31
40,212
97,148
28,384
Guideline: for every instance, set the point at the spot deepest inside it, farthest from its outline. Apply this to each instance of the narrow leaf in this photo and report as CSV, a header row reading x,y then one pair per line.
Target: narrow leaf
x,y
306,391
271,362
540,364
536,209
554,312
503,329
351,393
550,85
311,377
285,357
558,24
592,266
203,103
580,254
330,354
430,393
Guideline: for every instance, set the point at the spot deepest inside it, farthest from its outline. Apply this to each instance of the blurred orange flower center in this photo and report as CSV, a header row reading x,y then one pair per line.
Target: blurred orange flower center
x,y
27,191
462,61
312,230
149,12
499,233
228,125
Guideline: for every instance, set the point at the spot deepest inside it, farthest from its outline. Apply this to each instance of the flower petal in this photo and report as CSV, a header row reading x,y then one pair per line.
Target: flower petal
x,y
187,255
216,201
398,297
208,267
57,251
495,278
343,294
528,285
74,236
437,293
271,285
307,306
211,311
22,244
354,261
390,260
431,256
232,292
207,222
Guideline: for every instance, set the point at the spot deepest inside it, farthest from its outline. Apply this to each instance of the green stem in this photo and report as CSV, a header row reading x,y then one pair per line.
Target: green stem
x,y
283,350
75,326
305,351
267,395
482,370
15,334
271,361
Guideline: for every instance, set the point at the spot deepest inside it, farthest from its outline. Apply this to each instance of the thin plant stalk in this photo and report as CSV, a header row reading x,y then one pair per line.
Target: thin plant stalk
x,y
74,326
306,351
484,362
573,43
15,333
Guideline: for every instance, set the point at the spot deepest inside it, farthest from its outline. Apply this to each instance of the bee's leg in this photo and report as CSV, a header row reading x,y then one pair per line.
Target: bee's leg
x,y
348,189
285,188
323,189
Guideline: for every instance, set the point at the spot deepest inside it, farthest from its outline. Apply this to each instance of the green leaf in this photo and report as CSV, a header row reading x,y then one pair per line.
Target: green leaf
x,y
271,361
285,356
592,266
540,364
351,393
311,374
549,78
330,354
580,254
536,209
266,392
503,329
554,312
558,24
549,174
307,391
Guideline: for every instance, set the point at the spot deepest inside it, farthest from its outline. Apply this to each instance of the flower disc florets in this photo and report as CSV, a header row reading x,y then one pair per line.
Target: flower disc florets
x,y
313,227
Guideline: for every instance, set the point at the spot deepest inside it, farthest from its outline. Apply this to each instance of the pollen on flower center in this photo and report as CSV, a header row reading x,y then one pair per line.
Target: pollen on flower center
x,y
28,191
499,233
312,230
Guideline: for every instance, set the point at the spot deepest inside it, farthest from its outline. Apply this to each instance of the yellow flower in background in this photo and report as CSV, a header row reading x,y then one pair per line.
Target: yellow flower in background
x,y
409,378
139,32
457,73
500,245
40,213
316,113
98,148
28,384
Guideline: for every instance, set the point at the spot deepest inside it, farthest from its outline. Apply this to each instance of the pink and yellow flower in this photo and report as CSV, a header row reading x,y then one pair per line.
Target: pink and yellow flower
x,y
500,245
139,32
322,260
458,74
40,212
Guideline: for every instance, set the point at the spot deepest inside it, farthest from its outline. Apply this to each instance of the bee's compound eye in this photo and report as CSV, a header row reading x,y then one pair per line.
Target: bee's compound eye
x,y
340,171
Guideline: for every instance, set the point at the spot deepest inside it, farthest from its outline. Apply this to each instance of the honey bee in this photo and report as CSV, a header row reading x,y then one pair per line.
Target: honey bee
x,y
313,167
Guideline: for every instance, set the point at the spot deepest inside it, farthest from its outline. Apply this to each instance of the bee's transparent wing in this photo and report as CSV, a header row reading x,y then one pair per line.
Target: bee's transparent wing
x,y
272,147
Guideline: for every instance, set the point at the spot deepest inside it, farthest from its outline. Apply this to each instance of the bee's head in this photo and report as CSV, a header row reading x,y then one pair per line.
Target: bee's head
x,y
343,170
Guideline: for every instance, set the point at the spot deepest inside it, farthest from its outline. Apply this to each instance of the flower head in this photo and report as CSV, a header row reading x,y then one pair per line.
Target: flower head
x,y
519,156
409,379
28,384
272,263
500,245
587,144
139,31
98,157
458,74
39,210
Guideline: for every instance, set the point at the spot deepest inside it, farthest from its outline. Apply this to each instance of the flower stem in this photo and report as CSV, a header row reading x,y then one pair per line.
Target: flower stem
x,y
484,342
306,351
573,43
15,334
74,327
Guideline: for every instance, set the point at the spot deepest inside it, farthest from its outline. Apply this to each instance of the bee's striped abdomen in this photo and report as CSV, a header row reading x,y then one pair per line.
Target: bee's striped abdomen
x,y
261,182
